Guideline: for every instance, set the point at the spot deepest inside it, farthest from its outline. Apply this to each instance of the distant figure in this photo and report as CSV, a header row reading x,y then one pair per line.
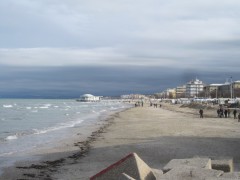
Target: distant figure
x,y
235,113
142,103
221,112
160,105
239,117
229,112
225,113
218,112
201,113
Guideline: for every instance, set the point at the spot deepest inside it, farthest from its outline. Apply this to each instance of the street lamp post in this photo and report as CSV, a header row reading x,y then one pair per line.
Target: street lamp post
x,y
231,88
216,92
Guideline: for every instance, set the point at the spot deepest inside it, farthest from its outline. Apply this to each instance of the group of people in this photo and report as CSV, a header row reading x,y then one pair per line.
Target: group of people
x,y
155,105
227,112
223,113
139,103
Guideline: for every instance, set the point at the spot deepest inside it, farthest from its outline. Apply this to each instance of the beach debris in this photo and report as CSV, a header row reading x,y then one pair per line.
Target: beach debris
x,y
132,167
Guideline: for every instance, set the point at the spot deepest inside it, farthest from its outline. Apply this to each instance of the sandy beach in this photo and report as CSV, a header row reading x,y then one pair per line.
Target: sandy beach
x,y
157,135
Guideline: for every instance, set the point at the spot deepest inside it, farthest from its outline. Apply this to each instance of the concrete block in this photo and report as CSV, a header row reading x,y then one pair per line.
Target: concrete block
x,y
231,175
225,165
196,162
221,178
191,173
132,165
157,173
126,177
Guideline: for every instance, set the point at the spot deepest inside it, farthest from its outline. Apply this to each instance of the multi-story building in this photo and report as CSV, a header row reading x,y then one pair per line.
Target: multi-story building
x,y
236,89
133,96
181,91
194,87
211,90
168,93
229,89
171,93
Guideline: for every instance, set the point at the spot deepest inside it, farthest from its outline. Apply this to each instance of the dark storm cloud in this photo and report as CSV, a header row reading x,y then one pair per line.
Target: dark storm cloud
x,y
71,82
74,81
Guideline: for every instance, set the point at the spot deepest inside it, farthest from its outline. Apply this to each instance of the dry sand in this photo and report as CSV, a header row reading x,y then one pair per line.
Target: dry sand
x,y
157,135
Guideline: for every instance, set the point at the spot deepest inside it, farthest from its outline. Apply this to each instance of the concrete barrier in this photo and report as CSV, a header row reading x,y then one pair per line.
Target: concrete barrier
x,y
132,165
225,165
184,172
196,162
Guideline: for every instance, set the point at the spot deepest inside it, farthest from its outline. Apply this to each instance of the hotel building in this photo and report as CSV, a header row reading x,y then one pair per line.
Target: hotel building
x,y
193,88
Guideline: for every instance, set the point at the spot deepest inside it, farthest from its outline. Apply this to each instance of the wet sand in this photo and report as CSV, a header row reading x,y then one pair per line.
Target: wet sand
x,y
157,135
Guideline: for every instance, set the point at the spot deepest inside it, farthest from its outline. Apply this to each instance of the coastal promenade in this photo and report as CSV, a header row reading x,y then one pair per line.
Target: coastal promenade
x,y
157,135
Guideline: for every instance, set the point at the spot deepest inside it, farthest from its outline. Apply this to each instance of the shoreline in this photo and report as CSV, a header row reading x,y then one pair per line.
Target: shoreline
x,y
49,159
156,134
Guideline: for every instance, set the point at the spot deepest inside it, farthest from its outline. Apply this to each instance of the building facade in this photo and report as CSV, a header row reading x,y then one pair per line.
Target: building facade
x,y
171,93
211,90
89,98
193,88
229,90
181,91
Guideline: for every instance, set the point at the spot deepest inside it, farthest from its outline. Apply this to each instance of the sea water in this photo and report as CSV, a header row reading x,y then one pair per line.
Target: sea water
x,y
28,124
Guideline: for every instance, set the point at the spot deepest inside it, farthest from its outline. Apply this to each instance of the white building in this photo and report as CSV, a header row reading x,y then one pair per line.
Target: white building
x,y
194,87
89,98
181,91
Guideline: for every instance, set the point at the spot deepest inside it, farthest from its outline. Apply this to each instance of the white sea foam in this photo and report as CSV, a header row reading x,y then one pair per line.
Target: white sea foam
x,y
7,106
44,107
47,105
28,107
12,137
6,154
58,127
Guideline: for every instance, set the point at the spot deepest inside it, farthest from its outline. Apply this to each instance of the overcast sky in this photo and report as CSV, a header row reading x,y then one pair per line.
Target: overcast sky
x,y
111,47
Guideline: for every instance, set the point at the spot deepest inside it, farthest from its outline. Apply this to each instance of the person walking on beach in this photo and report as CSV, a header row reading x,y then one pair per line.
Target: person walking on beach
x,y
221,112
218,112
201,113
225,113
229,112
239,117
235,113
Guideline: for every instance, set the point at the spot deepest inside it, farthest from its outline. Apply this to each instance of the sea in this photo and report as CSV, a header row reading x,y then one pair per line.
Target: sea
x,y
26,125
